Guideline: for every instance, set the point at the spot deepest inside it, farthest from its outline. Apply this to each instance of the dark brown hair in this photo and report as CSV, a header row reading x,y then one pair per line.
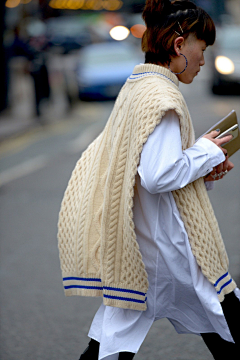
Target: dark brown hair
x,y
162,18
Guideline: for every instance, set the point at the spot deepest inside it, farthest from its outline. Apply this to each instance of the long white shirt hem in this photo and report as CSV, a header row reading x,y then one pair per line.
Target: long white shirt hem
x,y
177,288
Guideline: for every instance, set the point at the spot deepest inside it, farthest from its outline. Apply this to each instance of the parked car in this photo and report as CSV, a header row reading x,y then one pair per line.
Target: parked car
x,y
103,69
226,61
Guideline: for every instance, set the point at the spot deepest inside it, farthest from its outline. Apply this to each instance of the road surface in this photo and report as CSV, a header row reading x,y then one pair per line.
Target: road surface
x,y
37,321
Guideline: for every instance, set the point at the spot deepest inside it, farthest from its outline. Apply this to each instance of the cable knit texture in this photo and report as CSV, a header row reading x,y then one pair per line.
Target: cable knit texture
x,y
99,253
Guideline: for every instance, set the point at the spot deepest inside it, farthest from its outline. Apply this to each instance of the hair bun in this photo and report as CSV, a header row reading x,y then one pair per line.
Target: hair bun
x,y
183,5
155,9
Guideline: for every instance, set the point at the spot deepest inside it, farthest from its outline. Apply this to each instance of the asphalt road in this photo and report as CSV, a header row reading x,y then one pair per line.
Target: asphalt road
x,y
37,321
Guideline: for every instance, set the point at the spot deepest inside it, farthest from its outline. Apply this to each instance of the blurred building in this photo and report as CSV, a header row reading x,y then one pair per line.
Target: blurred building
x,y
3,68
218,9
52,8
233,8
37,15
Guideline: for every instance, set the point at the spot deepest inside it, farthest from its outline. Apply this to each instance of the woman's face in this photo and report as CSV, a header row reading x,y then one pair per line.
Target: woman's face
x,y
193,49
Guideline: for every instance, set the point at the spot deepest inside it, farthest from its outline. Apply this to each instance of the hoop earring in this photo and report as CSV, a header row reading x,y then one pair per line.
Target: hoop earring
x,y
183,69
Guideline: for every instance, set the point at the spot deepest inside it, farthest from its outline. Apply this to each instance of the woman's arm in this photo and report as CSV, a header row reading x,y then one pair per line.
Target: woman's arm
x,y
165,167
220,170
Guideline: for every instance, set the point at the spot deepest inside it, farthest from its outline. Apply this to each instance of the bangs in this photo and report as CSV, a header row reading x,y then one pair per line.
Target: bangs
x,y
204,28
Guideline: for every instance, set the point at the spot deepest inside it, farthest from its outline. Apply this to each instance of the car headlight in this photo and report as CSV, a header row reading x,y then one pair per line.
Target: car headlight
x,y
224,65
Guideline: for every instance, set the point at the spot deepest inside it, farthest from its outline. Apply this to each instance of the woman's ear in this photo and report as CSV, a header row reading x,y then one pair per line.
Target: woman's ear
x,y
178,42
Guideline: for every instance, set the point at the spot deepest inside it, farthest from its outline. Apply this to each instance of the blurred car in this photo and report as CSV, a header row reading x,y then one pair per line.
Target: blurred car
x,y
103,69
226,61
67,34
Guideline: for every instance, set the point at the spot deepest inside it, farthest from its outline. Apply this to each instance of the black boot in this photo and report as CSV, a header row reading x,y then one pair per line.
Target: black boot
x,y
126,356
91,352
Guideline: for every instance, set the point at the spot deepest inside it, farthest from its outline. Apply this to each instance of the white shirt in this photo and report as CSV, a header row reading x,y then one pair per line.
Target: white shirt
x,y
177,288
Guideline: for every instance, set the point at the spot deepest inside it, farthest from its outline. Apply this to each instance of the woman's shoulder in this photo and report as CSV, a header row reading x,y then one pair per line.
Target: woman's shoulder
x,y
158,90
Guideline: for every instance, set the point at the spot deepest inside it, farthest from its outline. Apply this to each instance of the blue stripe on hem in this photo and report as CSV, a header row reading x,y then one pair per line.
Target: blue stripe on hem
x,y
82,279
82,287
124,290
222,277
227,283
94,287
139,75
124,299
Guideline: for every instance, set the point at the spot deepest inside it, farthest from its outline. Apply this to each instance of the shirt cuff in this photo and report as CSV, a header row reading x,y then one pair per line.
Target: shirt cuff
x,y
209,185
214,153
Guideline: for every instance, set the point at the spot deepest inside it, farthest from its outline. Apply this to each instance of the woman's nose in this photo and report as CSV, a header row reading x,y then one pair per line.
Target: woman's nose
x,y
202,62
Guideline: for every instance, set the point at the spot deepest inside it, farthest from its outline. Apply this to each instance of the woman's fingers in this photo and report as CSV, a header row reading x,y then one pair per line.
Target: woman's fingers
x,y
219,142
220,171
210,177
223,150
219,168
230,165
223,140
214,133
215,176
227,165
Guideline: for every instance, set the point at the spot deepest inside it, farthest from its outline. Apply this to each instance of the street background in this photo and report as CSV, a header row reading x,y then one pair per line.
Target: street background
x,y
37,154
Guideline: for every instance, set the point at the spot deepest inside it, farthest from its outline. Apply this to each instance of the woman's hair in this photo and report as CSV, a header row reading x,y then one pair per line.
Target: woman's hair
x,y
166,20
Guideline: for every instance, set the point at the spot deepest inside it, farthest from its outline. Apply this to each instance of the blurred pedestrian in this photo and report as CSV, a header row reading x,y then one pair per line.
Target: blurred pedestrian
x,y
33,51
38,71
136,225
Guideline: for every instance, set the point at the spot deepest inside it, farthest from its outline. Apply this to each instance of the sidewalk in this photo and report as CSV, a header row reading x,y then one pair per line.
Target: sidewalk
x,y
20,116
12,126
13,122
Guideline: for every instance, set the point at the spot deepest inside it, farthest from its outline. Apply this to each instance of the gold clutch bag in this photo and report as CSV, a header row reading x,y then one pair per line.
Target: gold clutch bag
x,y
228,125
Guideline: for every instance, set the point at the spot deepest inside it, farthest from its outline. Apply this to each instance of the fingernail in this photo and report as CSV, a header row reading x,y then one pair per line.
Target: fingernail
x,y
226,154
217,130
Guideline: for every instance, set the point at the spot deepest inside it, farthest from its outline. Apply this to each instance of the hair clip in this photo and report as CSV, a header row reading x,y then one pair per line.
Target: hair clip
x,y
180,27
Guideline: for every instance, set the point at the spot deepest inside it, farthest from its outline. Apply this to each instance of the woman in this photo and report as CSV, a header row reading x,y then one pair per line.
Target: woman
x,y
136,225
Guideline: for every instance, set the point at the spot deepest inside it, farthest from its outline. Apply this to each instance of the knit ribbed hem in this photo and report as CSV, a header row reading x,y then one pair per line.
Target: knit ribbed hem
x,y
74,285
113,295
120,295
125,303
224,285
144,70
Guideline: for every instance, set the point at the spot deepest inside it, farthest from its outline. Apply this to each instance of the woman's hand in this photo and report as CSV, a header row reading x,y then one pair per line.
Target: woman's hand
x,y
222,169
219,171
219,142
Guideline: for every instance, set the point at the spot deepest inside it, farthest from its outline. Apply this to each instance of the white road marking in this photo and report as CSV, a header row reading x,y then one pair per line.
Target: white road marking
x,y
73,147
23,169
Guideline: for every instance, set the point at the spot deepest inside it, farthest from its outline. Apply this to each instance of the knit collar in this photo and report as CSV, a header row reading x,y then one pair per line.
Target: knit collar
x,y
143,70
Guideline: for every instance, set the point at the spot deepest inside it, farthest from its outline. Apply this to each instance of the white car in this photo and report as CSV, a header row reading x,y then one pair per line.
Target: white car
x,y
226,61
103,68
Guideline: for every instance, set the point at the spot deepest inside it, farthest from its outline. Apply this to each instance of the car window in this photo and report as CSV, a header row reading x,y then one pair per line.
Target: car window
x,y
107,57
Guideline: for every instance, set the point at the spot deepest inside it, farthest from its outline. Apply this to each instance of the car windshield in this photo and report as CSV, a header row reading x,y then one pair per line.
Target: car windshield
x,y
107,57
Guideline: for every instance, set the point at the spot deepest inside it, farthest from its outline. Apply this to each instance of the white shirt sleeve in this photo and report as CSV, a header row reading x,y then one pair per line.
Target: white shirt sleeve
x,y
209,185
165,167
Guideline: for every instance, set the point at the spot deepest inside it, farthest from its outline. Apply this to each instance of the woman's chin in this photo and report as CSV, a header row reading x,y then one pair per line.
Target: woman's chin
x,y
186,79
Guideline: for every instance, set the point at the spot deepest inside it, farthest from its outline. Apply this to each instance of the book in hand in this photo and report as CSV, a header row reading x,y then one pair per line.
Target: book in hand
x,y
228,125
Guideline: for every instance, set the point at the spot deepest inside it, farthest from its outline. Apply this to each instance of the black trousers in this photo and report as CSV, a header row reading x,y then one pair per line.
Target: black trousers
x,y
221,349
91,352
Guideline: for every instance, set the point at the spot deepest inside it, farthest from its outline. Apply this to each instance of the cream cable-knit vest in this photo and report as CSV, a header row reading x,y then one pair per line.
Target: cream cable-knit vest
x,y
99,253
